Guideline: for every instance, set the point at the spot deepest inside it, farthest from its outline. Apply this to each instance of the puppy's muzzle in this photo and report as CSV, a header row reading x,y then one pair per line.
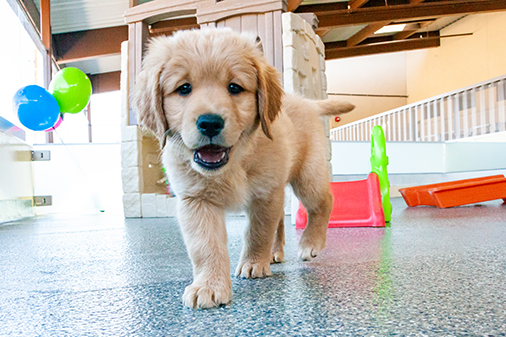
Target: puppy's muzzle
x,y
211,156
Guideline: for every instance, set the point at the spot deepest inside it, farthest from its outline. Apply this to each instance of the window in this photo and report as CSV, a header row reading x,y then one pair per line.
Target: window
x,y
21,60
100,122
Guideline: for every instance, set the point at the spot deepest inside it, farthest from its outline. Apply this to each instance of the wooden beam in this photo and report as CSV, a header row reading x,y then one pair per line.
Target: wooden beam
x,y
338,18
354,4
167,27
379,39
105,82
293,5
380,48
82,45
322,32
411,30
322,8
365,33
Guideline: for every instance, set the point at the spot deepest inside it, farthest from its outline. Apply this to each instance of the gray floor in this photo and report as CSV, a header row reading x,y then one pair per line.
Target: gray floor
x,y
433,272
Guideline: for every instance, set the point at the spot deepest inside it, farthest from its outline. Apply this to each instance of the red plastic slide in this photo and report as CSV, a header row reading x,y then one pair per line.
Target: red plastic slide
x,y
356,204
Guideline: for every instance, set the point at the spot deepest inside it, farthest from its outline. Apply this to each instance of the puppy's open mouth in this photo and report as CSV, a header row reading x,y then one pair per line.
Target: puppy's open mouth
x,y
211,156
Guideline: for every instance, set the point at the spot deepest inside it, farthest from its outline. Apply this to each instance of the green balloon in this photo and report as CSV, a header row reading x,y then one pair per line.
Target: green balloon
x,y
72,90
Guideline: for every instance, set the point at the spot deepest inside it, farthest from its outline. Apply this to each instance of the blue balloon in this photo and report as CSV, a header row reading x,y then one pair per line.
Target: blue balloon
x,y
36,108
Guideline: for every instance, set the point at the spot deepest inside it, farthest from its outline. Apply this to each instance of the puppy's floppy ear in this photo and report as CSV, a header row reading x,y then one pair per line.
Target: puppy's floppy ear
x,y
148,99
259,44
269,95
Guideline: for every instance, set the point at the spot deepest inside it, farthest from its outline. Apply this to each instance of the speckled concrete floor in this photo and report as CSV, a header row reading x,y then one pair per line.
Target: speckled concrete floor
x,y
434,272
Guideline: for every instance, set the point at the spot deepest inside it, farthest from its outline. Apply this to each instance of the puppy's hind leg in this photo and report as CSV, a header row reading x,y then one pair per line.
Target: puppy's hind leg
x,y
277,250
264,217
316,197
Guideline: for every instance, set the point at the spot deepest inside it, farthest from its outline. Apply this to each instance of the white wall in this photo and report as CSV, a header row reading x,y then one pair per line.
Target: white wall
x,y
16,191
81,178
459,61
475,156
352,158
383,74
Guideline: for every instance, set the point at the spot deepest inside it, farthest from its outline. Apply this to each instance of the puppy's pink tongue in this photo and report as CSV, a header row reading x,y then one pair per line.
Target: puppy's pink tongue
x,y
211,153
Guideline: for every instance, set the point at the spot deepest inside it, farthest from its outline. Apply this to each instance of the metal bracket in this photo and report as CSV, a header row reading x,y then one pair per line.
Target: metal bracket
x,y
43,200
44,155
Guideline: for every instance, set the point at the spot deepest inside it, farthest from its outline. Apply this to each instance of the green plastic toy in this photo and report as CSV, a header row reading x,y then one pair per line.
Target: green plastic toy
x,y
379,162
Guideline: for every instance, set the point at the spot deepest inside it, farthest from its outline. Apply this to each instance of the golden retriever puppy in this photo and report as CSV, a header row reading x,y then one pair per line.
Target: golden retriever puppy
x,y
232,139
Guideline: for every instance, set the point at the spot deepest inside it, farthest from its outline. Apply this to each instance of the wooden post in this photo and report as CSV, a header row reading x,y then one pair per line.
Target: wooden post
x,y
138,33
45,30
45,23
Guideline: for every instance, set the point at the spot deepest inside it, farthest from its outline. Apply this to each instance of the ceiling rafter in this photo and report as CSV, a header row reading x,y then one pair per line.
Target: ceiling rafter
x,y
380,39
411,29
83,45
322,8
367,16
293,5
354,4
373,27
365,33
383,47
336,18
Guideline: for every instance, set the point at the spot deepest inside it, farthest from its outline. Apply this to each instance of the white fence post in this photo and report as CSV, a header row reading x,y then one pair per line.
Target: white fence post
x,y
456,116
465,115
443,118
474,126
491,107
501,103
483,107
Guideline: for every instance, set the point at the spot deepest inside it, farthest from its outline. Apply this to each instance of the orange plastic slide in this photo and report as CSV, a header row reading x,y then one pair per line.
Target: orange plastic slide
x,y
456,193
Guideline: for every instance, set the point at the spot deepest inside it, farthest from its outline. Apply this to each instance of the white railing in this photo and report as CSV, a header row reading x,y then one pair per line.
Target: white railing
x,y
467,112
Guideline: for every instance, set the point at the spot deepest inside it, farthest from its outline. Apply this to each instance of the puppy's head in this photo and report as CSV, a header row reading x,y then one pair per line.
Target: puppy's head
x,y
205,92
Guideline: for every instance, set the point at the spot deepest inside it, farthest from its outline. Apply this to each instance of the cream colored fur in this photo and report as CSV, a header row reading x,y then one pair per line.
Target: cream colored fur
x,y
275,138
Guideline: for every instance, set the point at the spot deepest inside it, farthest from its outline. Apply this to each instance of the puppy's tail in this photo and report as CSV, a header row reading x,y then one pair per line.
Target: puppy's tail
x,y
334,106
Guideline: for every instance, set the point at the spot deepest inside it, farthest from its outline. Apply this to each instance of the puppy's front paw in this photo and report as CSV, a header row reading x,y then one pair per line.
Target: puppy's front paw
x,y
253,269
198,296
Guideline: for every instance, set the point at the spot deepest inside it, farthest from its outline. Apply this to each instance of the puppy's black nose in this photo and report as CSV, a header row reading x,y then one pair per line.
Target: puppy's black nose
x,y
210,124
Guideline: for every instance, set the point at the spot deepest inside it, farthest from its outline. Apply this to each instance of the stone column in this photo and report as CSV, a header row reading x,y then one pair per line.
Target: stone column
x,y
304,69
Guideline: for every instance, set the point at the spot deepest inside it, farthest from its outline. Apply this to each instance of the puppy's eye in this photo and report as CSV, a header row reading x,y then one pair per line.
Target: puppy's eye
x,y
235,89
184,90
